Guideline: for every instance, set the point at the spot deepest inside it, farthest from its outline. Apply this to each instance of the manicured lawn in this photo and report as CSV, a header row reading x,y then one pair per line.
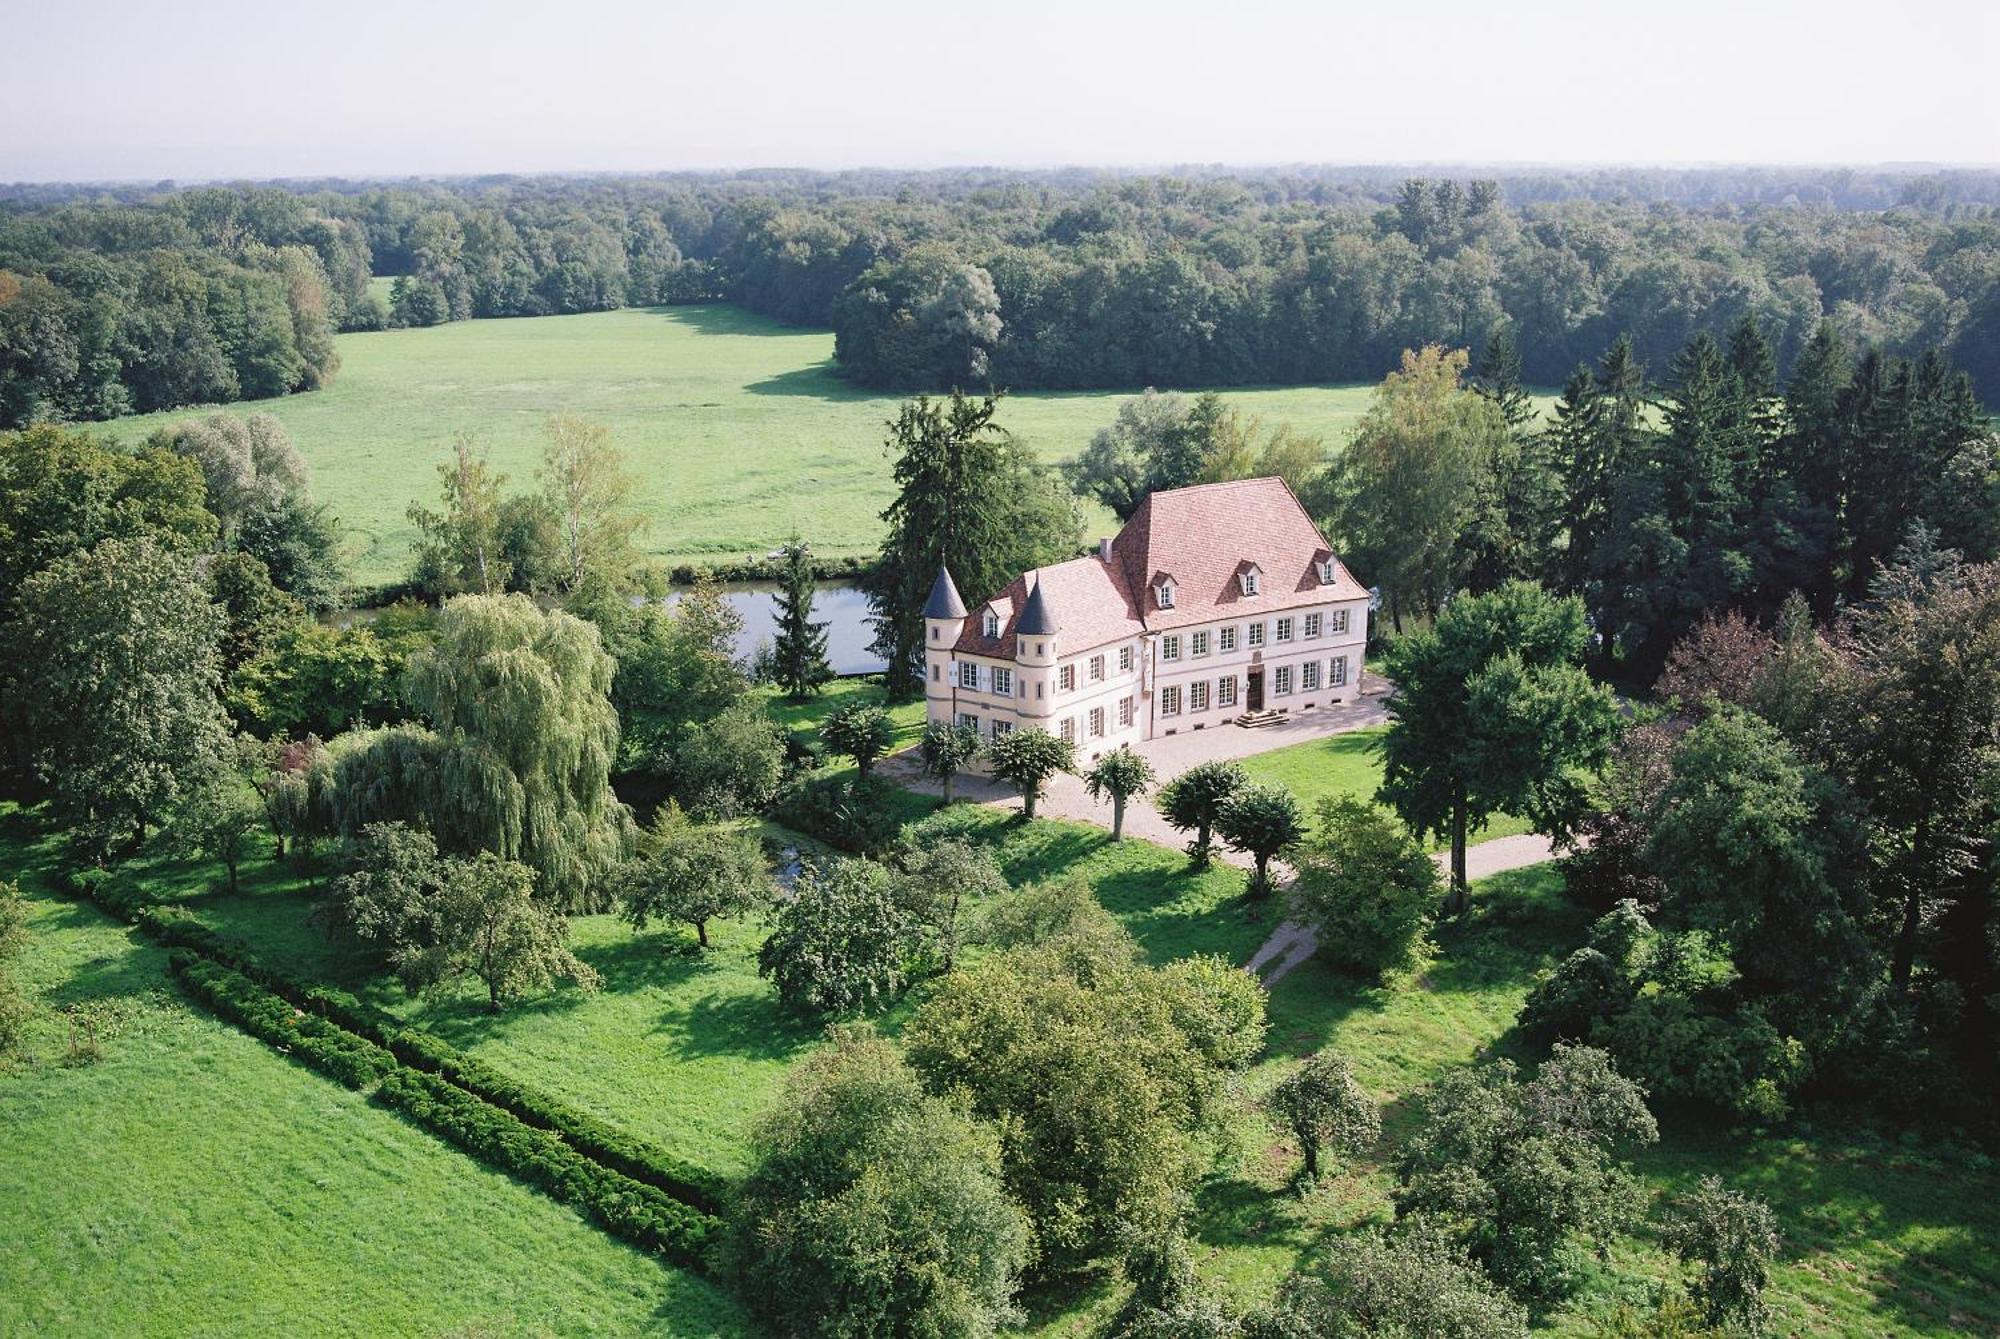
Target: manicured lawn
x,y
809,715
737,427
1347,765
193,1181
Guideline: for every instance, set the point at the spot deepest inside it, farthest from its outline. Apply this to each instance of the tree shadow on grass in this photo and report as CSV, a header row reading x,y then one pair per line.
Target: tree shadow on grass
x,y
754,1026
818,381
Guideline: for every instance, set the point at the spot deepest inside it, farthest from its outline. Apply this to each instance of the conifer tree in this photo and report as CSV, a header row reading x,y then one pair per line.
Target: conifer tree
x,y
800,652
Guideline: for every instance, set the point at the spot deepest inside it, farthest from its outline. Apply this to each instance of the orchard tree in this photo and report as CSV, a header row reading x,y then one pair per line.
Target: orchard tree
x,y
947,749
1326,1109
936,880
1120,774
1028,758
799,653
491,926
841,943
1365,885
1413,1280
873,1207
1194,800
859,730
1523,1174
1261,822
1493,713
117,658
692,873
218,819
1732,1239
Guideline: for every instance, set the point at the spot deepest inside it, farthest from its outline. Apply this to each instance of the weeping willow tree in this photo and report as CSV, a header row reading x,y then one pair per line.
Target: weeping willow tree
x,y
518,761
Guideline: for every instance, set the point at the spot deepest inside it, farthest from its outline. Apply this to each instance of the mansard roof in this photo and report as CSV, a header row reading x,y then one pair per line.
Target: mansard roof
x,y
1199,538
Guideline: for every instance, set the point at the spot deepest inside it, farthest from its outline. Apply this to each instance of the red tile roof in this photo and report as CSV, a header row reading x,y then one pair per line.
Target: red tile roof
x,y
1203,537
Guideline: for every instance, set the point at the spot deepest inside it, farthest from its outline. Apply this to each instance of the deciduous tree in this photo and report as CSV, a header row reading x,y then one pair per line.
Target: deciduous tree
x,y
1262,822
1326,1109
1028,758
1194,800
946,750
859,730
692,873
1366,887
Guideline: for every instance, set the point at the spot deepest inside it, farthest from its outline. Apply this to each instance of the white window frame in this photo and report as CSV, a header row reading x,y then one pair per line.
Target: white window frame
x,y
1124,713
968,675
1068,730
1198,695
1309,675
1249,581
1225,691
1225,639
1339,623
968,720
1283,632
1198,643
1281,681
1097,722
1097,669
1170,646
1001,727
1164,593
1337,673
1313,625
1066,679
1003,681
989,623
1326,573
1253,634
1124,660
1170,700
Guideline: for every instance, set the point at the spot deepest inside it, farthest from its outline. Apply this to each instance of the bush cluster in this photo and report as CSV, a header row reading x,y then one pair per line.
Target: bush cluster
x,y
843,810
768,569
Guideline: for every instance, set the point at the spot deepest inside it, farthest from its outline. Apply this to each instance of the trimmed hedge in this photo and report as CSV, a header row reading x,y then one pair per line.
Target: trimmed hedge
x,y
327,1047
631,1156
642,1214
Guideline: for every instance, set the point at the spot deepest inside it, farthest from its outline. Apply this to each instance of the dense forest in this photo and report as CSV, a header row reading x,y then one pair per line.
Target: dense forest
x,y
132,299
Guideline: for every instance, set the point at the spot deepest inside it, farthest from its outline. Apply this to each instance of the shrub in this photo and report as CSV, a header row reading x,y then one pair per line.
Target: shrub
x,y
1683,1048
848,811
327,1047
1326,1108
874,1207
1366,885
1733,1238
842,942
1413,1281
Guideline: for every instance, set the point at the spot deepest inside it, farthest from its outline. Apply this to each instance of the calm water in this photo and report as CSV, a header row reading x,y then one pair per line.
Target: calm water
x,y
842,607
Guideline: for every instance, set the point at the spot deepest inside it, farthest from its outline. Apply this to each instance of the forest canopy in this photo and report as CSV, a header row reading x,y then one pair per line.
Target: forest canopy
x,y
113,301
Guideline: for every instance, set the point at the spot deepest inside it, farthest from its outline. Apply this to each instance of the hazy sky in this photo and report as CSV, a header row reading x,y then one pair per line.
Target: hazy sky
x,y
201,88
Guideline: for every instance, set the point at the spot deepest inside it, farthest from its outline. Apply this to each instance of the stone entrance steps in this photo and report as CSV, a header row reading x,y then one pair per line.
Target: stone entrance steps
x,y
1251,720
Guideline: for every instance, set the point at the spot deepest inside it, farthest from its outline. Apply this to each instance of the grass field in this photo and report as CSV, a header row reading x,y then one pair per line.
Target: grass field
x,y
193,1181
1347,764
737,427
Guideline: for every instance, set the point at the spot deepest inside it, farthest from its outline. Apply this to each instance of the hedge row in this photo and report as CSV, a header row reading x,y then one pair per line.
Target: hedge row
x,y
642,1214
639,1159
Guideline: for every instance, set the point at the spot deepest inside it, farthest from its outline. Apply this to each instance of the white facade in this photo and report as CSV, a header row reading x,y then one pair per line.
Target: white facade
x,y
1153,683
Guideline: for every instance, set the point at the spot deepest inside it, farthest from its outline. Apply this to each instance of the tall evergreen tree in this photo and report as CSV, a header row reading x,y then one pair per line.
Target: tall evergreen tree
x,y
1498,378
970,499
800,651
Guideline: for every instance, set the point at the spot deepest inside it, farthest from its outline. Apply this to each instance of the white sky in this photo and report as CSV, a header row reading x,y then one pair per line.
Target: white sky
x,y
201,88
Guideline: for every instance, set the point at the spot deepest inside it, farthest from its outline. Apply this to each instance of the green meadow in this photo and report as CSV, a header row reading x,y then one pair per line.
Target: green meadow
x,y
737,427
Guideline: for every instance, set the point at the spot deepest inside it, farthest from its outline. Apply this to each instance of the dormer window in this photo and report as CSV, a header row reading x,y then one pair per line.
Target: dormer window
x,y
990,624
1248,578
1165,591
1326,572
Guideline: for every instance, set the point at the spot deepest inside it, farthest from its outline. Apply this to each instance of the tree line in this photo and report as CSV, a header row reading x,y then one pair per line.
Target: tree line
x,y
150,299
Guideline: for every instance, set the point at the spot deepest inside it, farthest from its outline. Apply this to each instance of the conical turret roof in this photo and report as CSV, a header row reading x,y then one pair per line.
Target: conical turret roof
x,y
1036,618
944,601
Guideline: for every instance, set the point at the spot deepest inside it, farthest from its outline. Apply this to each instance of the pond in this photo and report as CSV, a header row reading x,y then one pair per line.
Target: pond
x,y
842,606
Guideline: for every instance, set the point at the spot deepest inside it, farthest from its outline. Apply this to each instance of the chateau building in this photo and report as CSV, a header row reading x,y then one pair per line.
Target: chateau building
x,y
1215,603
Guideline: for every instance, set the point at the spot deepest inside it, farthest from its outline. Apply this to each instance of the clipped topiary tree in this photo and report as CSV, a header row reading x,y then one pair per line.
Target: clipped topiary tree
x,y
1121,774
1193,801
1028,758
859,730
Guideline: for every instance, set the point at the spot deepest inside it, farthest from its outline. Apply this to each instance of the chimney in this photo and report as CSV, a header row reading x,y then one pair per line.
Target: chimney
x,y
1104,548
